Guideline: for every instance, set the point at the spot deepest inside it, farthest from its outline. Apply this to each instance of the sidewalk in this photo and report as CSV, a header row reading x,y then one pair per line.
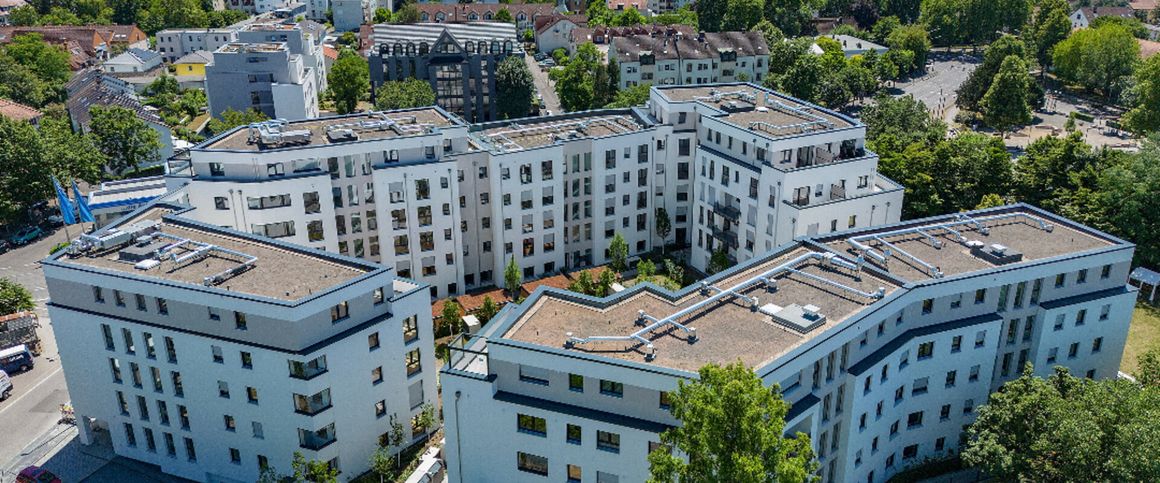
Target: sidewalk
x,y
60,451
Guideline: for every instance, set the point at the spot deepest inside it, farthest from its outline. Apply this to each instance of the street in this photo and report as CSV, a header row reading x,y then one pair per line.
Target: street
x,y
544,86
34,406
936,88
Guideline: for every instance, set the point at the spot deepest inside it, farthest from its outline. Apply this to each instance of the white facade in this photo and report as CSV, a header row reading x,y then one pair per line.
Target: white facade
x,y
883,384
203,380
350,14
556,35
176,43
451,205
267,77
674,59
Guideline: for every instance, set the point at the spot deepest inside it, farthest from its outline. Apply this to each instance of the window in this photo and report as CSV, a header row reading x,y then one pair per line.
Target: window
x,y
1105,272
380,408
373,341
190,452
413,364
920,386
974,375
611,388
98,295
574,474
130,348
235,456
969,406
576,382
534,375
914,419
140,299
162,307
340,311
231,425
980,295
927,306
107,332
944,413
925,350
224,389
531,425
910,452
377,375
115,366
217,354
130,436
239,321
1097,344
410,329
606,441
1060,280
665,402
178,388
1081,277
574,434
531,463
956,343
950,382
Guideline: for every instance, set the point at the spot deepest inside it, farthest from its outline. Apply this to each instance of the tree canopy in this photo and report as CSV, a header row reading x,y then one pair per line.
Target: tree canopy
x,y
586,82
978,82
14,297
230,119
123,137
1006,103
1144,116
514,87
731,430
404,94
30,156
348,80
1099,59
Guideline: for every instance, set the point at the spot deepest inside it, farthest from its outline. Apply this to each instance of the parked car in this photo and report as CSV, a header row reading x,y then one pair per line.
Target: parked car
x,y
36,474
53,221
26,235
5,385
540,56
5,246
16,359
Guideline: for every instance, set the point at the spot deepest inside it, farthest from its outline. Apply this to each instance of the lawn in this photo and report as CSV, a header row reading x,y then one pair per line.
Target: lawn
x,y
1143,335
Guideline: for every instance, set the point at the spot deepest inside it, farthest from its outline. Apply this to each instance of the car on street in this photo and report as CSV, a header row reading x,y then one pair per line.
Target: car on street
x,y
53,221
5,385
26,235
16,359
36,474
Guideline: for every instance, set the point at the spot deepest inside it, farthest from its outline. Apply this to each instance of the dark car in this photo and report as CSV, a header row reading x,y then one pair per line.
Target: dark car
x,y
36,474
5,246
53,221
26,235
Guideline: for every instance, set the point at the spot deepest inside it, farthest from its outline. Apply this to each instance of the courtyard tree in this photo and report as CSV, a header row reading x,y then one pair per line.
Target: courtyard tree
x,y
486,310
718,261
313,471
404,94
576,82
349,80
583,284
664,226
618,253
675,271
1006,103
512,279
450,316
604,283
731,430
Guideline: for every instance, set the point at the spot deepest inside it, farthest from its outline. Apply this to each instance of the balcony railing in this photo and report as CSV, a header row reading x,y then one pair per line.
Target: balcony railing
x,y
726,210
729,237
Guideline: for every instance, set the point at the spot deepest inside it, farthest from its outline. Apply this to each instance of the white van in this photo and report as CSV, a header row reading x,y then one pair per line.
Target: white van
x,y
5,386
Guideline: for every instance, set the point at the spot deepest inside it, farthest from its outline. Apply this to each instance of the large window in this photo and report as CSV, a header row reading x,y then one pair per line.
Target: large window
x,y
531,425
410,329
275,201
606,441
414,366
274,230
531,463
611,388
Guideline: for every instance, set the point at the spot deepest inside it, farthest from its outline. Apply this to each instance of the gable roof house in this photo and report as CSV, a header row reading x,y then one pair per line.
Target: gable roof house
x,y
92,87
1083,17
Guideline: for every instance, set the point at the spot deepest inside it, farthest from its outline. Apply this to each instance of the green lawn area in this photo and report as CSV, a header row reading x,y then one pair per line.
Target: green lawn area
x,y
1144,335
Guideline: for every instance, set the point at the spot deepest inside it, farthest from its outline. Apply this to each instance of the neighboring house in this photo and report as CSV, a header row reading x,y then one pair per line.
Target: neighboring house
x,y
316,10
622,5
175,43
458,59
525,14
602,35
679,60
133,61
350,14
92,87
1083,17
6,8
330,54
97,41
852,46
19,112
191,67
114,199
555,32
262,76
254,7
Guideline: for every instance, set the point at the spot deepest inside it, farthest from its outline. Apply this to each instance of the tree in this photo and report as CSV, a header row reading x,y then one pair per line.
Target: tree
x,y
645,269
504,16
604,283
404,94
229,119
24,16
1005,104
348,79
313,470
1099,59
514,86
718,261
583,284
1144,116
576,83
742,14
23,179
426,419
450,317
123,137
974,165
904,120
407,15
613,79
629,17
14,297
1065,428
49,62
1049,25
731,430
883,28
512,279
710,14
906,11
487,310
912,38
769,31
990,200
1148,368
675,272
382,15
978,82
68,154
382,463
396,437
632,96
941,18
348,39
618,253
1052,168
1128,203
664,226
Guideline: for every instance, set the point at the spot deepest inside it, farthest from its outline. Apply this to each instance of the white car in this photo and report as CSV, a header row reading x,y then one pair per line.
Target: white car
x,y
5,385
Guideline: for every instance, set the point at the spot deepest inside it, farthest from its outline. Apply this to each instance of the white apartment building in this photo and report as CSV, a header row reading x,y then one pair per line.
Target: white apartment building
x,y
267,77
449,203
884,340
176,43
673,58
213,354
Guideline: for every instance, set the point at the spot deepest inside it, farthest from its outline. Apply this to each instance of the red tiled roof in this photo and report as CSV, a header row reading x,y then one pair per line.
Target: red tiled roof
x,y
544,23
556,281
1145,5
473,301
19,112
459,13
330,52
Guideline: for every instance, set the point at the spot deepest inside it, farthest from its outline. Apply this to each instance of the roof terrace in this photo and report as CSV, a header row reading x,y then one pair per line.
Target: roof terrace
x,y
156,246
535,132
279,133
962,243
760,110
754,314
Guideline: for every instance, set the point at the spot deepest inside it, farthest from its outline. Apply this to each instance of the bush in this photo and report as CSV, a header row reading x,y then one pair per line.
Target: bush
x,y
58,247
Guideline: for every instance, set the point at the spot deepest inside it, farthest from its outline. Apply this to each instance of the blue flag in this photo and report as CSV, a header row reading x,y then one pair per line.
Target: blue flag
x,y
82,204
66,207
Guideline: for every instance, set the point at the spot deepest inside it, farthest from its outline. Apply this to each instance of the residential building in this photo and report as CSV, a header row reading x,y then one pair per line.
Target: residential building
x,y
555,32
92,87
214,354
6,8
459,60
133,61
450,204
525,14
1083,17
316,10
256,7
678,59
174,44
350,14
622,5
602,35
261,76
190,68
883,340
115,199
852,46
302,39
97,41
19,112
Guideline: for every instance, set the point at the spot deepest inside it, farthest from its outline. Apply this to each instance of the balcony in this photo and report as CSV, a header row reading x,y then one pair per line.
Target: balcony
x,y
822,156
316,440
727,210
728,237
312,405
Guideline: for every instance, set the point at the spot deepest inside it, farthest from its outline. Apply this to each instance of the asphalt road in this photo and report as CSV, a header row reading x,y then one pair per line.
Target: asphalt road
x,y
34,406
544,87
936,88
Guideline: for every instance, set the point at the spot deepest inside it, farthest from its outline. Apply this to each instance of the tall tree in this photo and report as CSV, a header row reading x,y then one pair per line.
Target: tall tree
x,y
1006,103
575,84
664,225
450,317
1144,116
978,82
883,28
718,261
976,164
906,11
514,86
1049,25
404,94
742,15
711,14
618,253
487,310
1099,59
313,471
70,155
912,38
123,137
23,177
731,430
1052,168
512,278
1127,196
14,297
48,61
349,80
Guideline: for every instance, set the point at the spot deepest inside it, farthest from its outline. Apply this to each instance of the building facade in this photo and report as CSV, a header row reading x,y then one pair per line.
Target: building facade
x,y
214,354
176,43
884,341
350,14
266,77
673,58
302,39
450,203
458,60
